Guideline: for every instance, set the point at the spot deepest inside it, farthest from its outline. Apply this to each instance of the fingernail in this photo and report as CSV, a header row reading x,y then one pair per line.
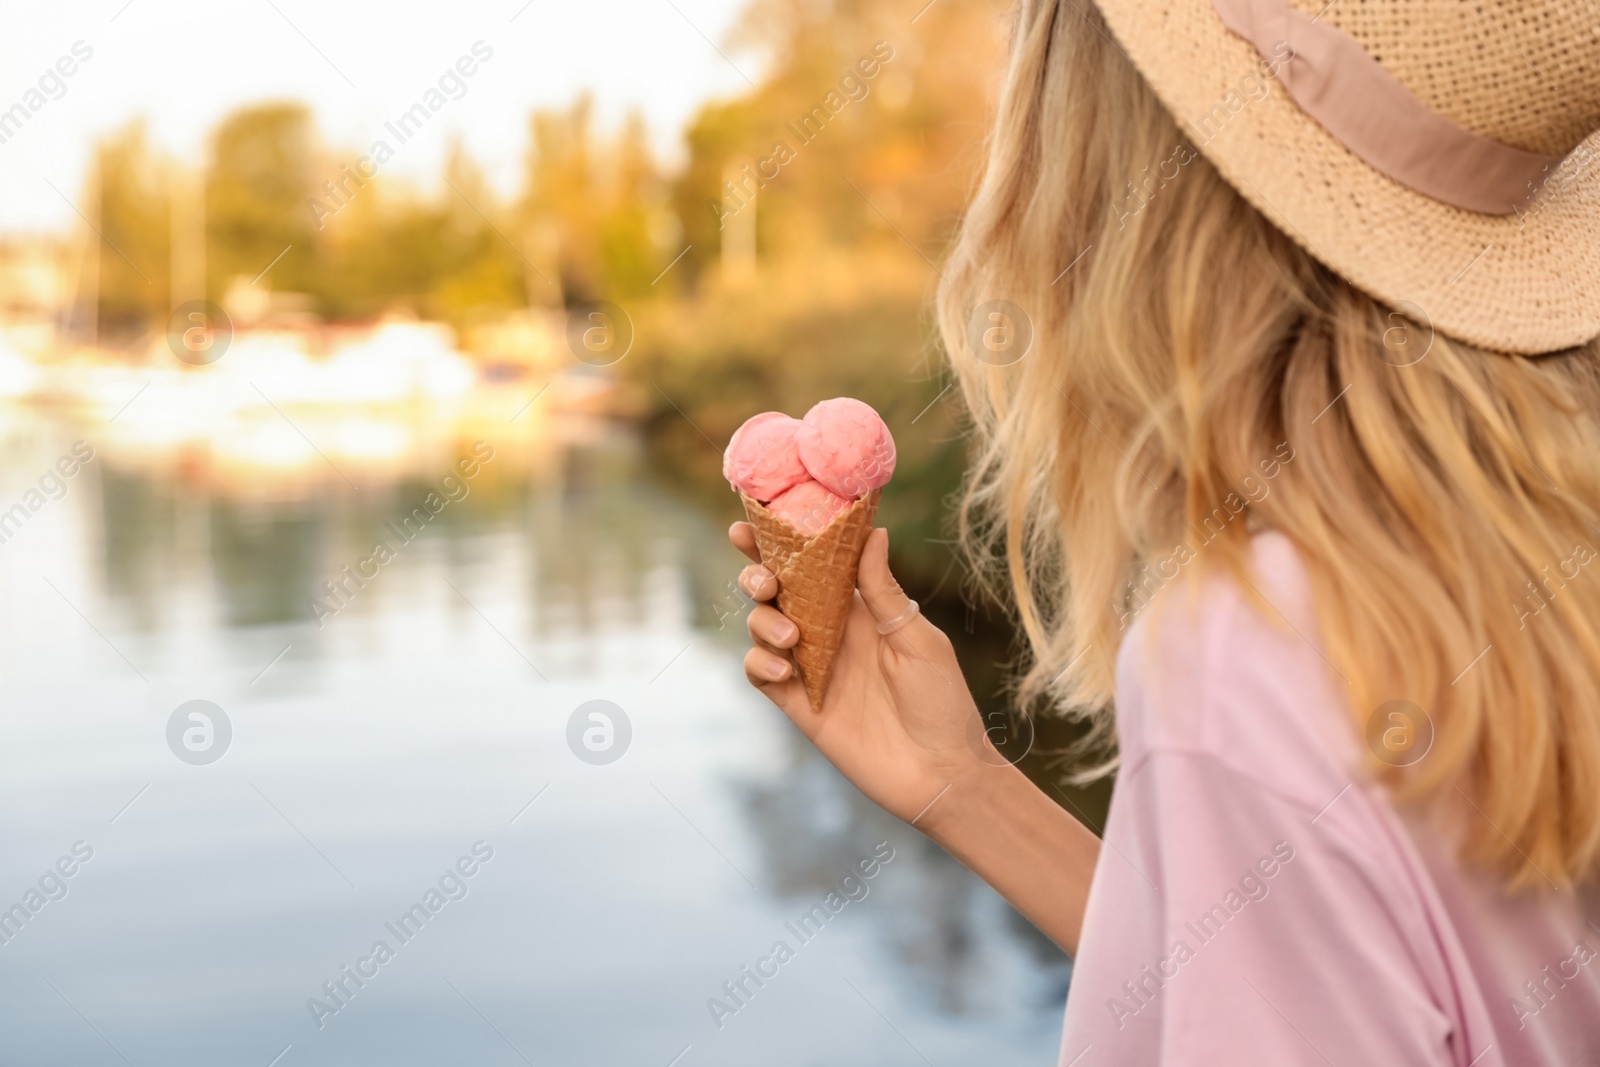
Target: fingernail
x,y
776,669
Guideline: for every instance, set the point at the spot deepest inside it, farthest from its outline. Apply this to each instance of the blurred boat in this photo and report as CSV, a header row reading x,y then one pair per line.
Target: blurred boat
x,y
292,403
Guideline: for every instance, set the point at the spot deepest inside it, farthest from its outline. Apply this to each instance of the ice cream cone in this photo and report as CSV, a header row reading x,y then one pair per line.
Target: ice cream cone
x,y
816,581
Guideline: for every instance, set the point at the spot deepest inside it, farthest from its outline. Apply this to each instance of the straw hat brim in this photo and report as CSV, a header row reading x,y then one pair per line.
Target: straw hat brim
x,y
1525,283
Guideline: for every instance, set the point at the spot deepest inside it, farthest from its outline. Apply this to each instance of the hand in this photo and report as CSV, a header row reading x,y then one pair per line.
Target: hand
x,y
898,721
897,716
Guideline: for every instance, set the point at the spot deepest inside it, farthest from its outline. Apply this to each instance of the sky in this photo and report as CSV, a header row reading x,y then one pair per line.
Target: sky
x,y
184,64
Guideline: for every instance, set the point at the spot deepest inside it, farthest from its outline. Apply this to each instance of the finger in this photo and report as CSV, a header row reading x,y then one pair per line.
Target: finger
x,y
743,536
758,582
789,693
771,627
764,667
884,597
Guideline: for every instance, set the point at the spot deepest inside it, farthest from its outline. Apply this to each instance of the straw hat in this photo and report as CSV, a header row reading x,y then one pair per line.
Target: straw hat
x,y
1441,155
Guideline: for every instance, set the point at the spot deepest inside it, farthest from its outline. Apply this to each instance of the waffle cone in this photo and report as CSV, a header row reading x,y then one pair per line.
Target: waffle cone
x,y
816,581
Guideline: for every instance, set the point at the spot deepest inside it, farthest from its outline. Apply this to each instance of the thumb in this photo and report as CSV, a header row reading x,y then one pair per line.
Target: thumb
x,y
914,639
884,597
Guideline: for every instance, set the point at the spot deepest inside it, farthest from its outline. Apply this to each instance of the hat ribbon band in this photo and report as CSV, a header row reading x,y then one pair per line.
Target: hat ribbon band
x,y
1371,113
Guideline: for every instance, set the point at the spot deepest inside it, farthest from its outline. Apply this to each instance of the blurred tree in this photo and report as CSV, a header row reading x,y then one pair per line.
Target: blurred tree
x,y
559,203
480,272
261,183
596,212
130,182
865,130
438,257
860,138
635,216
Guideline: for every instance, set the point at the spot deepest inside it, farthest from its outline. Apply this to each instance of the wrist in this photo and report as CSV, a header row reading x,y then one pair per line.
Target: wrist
x,y
970,802
1005,830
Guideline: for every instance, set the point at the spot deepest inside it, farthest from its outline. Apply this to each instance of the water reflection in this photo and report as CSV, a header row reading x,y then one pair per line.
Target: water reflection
x,y
375,744
262,562
943,926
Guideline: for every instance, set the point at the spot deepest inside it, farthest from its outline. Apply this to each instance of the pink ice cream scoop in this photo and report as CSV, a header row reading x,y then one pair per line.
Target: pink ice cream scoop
x,y
809,507
846,446
762,460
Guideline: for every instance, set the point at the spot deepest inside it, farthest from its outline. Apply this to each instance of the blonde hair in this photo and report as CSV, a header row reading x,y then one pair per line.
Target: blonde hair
x,y
1183,348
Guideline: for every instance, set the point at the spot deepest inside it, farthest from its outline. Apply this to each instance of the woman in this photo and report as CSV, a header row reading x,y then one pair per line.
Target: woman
x,y
1300,476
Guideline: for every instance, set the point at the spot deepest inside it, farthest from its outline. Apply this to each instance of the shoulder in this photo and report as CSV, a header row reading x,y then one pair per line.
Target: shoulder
x,y
1236,673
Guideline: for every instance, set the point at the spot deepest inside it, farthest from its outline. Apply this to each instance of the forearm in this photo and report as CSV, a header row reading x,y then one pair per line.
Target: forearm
x,y
1012,835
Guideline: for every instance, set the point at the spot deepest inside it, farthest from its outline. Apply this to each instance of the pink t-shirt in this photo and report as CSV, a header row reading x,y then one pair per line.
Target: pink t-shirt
x,y
1259,901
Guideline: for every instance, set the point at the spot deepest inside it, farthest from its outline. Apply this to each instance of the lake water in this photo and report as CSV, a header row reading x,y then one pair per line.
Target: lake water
x,y
419,730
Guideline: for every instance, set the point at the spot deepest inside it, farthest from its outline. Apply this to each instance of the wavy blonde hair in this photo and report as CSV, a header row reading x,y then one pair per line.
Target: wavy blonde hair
x,y
1181,345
